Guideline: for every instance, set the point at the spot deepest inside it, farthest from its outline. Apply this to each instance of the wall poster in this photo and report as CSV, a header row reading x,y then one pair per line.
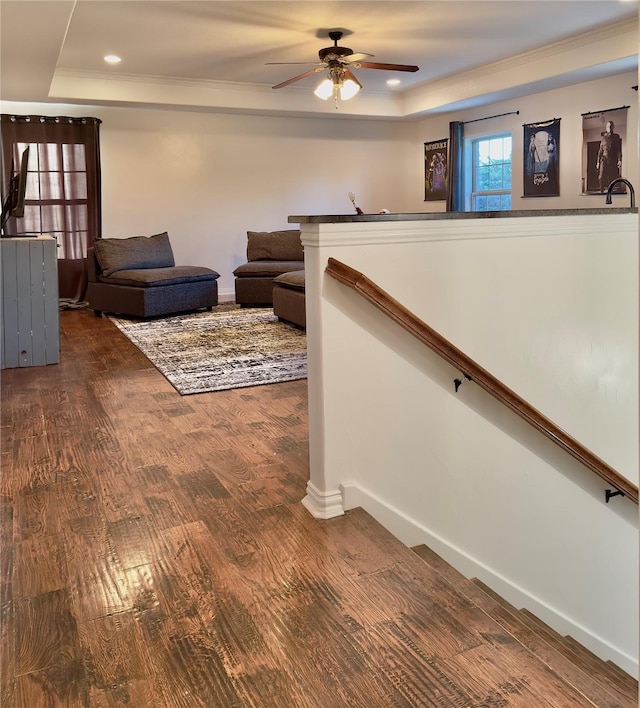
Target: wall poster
x,y
435,170
604,136
541,159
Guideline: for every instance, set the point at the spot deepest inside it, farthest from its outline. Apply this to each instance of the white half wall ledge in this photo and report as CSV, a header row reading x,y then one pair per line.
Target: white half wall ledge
x,y
323,505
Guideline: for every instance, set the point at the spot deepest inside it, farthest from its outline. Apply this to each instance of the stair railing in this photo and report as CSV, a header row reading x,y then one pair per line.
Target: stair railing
x,y
474,372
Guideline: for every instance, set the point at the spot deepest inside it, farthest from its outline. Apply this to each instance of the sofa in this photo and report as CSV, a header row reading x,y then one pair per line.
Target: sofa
x,y
138,277
269,255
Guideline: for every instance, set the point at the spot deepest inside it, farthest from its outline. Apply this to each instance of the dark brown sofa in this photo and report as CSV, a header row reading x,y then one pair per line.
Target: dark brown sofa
x,y
138,276
269,254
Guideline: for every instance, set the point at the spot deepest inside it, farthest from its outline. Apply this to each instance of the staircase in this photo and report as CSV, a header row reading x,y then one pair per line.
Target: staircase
x,y
602,683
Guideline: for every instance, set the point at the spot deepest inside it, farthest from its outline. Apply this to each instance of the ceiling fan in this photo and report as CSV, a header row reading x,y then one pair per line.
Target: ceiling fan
x,y
342,82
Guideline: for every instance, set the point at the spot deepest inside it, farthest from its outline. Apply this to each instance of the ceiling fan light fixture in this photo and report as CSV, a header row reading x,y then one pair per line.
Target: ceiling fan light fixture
x,y
324,89
348,90
337,86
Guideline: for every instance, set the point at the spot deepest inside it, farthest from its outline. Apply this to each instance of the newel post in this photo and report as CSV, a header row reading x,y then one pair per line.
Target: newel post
x,y
324,497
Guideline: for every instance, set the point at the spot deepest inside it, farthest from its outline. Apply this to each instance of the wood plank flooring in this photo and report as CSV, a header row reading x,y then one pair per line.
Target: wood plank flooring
x,y
154,552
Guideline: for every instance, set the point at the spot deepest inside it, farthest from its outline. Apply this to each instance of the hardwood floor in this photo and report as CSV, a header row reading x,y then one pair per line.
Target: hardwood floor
x,y
155,553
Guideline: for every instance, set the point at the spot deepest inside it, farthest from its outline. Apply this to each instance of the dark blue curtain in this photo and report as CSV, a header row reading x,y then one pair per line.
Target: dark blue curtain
x,y
455,185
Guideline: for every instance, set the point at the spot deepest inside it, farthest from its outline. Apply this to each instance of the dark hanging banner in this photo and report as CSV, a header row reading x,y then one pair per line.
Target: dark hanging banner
x,y
604,135
435,170
541,159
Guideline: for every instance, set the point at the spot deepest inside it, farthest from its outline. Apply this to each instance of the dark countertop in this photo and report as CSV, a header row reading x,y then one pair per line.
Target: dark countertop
x,y
435,216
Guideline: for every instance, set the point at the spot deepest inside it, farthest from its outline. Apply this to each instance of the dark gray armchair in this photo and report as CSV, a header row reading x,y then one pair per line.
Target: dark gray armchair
x,y
269,254
138,277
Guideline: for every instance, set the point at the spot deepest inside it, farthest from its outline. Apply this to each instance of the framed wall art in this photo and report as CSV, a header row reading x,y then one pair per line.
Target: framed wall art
x,y
435,170
603,144
541,164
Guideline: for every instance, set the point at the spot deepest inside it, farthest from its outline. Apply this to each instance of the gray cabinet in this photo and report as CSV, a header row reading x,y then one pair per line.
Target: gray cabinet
x,y
30,333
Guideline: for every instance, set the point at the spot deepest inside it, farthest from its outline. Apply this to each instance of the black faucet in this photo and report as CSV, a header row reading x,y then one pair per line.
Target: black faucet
x,y
631,190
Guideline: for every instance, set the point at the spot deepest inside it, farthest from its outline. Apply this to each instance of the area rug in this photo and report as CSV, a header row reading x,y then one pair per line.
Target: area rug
x,y
230,347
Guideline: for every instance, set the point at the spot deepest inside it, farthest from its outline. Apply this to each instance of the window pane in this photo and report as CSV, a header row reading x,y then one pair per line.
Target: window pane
x,y
51,186
507,148
73,157
496,151
77,244
75,185
52,218
76,218
48,157
495,177
18,149
480,203
482,179
33,186
482,152
491,171
31,220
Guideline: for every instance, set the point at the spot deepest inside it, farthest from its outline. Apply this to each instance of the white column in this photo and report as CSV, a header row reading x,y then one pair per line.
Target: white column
x,y
324,497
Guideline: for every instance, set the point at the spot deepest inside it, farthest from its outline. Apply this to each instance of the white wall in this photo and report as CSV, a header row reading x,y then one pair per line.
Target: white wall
x,y
567,104
550,307
209,178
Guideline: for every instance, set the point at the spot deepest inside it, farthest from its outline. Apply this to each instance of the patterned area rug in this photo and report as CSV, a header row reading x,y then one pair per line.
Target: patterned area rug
x,y
231,347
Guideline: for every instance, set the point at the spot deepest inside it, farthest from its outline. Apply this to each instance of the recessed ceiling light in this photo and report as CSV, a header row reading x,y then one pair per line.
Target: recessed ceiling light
x,y
112,59
393,82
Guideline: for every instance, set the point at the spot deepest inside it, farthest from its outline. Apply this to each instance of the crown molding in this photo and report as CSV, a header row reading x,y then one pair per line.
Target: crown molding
x,y
605,46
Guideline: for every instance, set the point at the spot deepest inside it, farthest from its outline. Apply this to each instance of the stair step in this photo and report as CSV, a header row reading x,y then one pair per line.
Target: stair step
x,y
629,681
550,635
601,667
439,564
512,620
494,595
617,679
552,648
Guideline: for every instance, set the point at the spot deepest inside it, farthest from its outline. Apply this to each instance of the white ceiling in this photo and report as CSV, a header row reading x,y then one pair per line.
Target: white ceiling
x,y
212,54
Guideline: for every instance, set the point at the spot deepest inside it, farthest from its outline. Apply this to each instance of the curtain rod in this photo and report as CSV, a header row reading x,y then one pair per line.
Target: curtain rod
x,y
541,124
49,119
606,110
512,113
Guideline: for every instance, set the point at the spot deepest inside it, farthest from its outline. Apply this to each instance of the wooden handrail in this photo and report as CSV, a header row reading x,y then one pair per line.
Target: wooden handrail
x,y
435,341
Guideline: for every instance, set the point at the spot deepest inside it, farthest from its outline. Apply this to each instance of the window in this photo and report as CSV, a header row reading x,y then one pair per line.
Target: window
x,y
56,201
63,187
490,168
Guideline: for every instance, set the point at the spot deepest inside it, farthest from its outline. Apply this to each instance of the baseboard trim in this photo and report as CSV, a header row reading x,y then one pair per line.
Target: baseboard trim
x,y
323,505
226,296
412,533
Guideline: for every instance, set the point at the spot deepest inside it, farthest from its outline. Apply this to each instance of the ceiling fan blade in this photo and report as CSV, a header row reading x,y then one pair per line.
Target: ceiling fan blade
x,y
297,78
348,74
290,63
358,56
387,67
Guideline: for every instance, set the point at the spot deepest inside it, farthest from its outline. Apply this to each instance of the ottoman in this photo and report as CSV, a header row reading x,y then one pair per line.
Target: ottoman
x,y
288,298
